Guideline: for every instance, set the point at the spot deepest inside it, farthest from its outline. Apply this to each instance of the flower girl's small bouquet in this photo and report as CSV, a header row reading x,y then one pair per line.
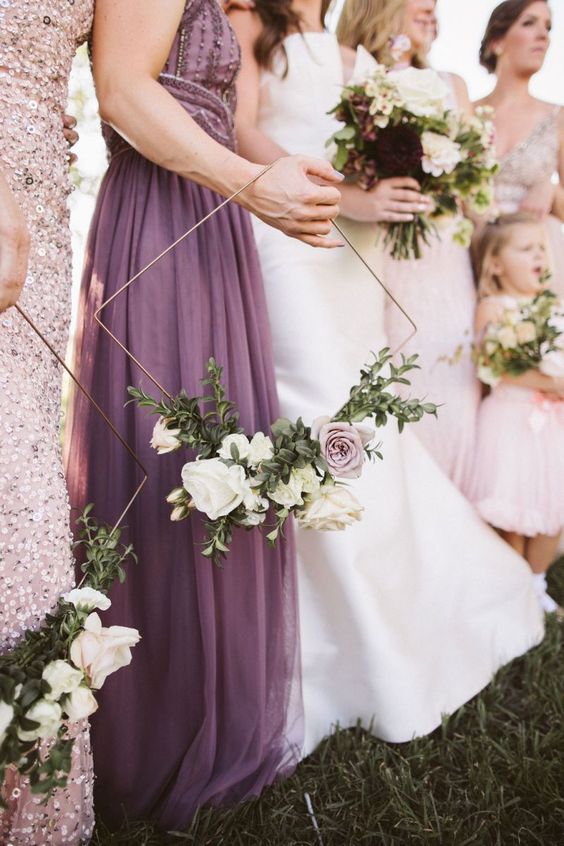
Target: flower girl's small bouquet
x,y
529,336
49,679
397,124
236,478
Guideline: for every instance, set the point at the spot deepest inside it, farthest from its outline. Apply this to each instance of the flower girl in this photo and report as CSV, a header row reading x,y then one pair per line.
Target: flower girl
x,y
517,482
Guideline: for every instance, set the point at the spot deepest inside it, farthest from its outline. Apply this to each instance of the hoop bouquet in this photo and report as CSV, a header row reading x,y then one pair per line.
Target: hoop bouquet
x,y
236,478
528,336
396,123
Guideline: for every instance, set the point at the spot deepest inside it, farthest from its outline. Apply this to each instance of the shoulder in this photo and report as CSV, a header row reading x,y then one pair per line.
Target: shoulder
x,y
458,84
490,310
247,25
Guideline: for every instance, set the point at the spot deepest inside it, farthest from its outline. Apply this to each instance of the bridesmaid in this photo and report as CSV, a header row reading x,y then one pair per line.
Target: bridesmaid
x,y
438,289
530,132
211,710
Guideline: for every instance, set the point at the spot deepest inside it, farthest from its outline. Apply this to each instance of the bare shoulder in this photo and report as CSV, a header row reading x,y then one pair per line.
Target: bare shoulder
x,y
459,83
489,310
246,23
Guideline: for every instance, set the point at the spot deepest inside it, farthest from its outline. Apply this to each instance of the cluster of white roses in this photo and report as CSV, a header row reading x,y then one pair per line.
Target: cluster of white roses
x,y
95,653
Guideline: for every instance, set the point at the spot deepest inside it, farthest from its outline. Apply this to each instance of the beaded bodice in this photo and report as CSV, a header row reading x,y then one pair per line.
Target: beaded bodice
x,y
529,162
200,72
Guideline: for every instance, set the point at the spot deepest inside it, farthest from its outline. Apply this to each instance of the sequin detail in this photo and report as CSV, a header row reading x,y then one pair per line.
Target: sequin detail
x,y
37,45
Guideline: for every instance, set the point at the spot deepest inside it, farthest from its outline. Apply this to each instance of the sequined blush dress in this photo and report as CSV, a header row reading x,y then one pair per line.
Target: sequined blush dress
x,y
37,44
210,710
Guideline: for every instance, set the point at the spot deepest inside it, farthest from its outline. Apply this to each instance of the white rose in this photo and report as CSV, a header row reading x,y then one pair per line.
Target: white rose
x,y
330,509
87,599
254,518
512,316
552,364
164,439
81,703
440,154
48,715
216,489
507,337
260,449
240,441
486,375
526,332
288,494
331,151
100,651
6,717
308,478
62,678
423,92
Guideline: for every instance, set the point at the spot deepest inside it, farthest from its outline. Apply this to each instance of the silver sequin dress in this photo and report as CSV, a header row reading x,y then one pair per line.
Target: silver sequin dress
x,y
37,44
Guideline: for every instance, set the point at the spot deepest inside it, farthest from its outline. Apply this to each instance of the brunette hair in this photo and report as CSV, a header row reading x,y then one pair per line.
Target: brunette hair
x,y
374,23
501,20
278,20
492,239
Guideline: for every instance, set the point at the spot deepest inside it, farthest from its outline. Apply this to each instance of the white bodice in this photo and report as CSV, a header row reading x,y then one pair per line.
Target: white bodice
x,y
293,106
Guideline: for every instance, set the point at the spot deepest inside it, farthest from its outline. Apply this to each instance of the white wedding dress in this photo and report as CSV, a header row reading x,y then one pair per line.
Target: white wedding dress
x,y
409,613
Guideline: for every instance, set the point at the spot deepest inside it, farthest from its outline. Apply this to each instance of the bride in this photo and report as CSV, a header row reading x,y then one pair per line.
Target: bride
x,y
408,614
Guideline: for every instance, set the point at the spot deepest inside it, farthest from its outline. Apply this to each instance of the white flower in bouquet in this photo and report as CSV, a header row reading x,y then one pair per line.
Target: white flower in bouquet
x,y
512,316
440,154
254,518
463,233
330,509
487,376
552,364
260,449
6,717
62,677
215,488
526,332
422,92
240,441
288,494
81,703
507,337
308,478
100,651
164,439
87,599
48,715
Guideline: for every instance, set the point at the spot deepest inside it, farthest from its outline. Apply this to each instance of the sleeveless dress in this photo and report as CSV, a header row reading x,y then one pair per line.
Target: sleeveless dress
x,y
210,710
407,614
438,291
37,45
533,160
518,478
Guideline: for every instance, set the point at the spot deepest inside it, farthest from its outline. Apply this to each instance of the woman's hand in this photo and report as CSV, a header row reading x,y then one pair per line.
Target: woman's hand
x,y
14,248
539,199
395,200
297,196
70,133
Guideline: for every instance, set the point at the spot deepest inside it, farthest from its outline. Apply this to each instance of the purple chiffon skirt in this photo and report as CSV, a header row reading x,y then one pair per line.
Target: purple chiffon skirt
x,y
209,711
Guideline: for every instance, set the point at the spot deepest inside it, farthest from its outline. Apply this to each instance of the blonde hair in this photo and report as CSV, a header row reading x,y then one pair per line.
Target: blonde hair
x,y
488,246
374,23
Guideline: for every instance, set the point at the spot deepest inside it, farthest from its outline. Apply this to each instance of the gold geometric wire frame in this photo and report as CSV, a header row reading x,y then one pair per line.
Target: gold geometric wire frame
x,y
189,232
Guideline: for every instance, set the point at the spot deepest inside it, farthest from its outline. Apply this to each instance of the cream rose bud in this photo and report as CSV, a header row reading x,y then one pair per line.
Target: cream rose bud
x,y
260,449
48,715
62,678
507,337
6,717
165,439
423,92
216,489
101,651
81,703
87,599
526,332
240,441
330,509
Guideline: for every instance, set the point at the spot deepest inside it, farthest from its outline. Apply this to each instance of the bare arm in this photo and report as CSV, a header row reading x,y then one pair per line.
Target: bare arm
x,y
558,204
131,43
14,248
462,96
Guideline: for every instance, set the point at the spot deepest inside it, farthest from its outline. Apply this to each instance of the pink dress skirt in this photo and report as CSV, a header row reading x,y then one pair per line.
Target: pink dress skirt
x,y
517,482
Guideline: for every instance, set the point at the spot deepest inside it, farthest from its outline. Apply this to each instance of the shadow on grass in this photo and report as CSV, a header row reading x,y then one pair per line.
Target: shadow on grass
x,y
492,775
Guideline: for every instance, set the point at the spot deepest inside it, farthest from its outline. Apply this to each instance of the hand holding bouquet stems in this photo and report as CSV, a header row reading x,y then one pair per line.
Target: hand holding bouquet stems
x,y
396,124
237,478
529,336
48,680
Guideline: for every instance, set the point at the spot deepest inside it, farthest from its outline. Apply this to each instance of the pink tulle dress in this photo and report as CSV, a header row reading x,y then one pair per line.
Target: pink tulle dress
x,y
517,481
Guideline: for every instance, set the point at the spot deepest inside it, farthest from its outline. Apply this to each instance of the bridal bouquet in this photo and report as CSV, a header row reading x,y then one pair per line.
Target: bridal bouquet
x,y
237,478
529,336
397,124
49,679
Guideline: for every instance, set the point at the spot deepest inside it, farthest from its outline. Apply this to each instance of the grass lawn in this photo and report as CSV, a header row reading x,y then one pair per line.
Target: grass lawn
x,y
493,775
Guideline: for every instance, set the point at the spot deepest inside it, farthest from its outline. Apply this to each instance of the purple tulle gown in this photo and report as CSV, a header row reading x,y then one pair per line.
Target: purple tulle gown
x,y
209,710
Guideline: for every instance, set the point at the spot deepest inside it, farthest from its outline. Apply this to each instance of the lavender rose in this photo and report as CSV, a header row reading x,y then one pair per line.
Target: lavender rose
x,y
342,446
